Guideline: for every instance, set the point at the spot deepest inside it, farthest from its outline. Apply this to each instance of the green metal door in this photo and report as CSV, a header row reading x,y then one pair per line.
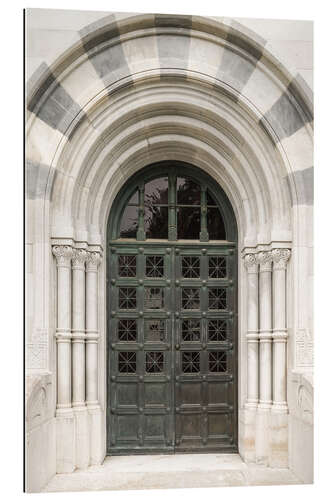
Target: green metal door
x,y
172,344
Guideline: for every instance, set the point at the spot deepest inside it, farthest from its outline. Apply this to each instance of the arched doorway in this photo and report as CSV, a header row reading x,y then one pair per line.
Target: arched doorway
x,y
172,314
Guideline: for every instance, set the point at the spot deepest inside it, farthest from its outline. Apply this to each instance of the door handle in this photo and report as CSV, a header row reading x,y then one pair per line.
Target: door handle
x,y
177,346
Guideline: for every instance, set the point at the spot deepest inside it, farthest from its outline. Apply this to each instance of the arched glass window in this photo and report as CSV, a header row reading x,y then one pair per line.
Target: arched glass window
x,y
174,207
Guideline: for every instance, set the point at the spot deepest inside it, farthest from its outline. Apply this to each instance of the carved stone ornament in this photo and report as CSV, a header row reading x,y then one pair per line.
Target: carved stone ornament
x,y
63,254
280,257
79,258
251,262
265,261
93,261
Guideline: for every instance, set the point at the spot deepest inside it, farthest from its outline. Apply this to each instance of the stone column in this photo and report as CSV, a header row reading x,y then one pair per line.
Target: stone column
x,y
265,333
280,258
251,265
92,337
64,413
78,347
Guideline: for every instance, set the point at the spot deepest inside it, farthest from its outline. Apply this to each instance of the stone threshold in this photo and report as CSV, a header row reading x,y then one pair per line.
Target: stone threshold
x,y
142,472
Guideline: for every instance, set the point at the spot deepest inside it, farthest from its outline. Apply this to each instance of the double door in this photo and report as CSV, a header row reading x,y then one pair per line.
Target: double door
x,y
172,353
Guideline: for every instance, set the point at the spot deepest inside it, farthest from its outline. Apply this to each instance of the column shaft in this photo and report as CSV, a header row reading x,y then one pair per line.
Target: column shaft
x,y
265,334
280,258
63,255
78,328
252,332
92,334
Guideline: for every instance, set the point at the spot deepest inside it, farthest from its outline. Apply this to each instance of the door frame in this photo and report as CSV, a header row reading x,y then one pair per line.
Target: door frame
x,y
146,174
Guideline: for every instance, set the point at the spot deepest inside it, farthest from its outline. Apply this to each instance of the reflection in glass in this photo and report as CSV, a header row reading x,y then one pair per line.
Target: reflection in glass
x,y
134,200
156,191
210,199
156,222
129,223
188,191
215,224
188,223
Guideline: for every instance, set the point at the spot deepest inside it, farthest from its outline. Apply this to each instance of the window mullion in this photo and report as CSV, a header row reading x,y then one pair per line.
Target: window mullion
x,y
141,235
203,224
172,229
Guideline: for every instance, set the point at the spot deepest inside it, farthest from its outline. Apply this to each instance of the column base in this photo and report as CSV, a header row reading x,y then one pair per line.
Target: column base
x,y
278,456
95,431
65,441
262,434
247,434
82,441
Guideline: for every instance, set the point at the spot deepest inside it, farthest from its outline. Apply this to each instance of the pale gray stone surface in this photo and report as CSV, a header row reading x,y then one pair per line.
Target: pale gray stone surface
x,y
170,471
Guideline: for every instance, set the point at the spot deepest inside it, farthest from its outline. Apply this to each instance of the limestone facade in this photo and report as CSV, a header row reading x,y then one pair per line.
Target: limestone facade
x,y
108,94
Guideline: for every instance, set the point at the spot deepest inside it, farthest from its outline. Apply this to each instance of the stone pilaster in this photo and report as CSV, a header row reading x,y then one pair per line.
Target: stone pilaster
x,y
64,413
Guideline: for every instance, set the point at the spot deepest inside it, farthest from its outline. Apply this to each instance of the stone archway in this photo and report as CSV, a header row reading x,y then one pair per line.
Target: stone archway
x,y
142,104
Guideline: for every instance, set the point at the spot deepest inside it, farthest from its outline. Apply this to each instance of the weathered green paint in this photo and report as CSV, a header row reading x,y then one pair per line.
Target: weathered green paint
x,y
172,410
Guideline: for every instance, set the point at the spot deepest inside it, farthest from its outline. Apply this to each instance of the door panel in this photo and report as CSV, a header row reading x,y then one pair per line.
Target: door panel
x,y
171,352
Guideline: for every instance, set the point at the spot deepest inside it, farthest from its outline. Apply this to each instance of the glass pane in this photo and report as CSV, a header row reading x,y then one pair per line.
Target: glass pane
x,y
217,298
154,362
155,266
127,362
188,191
127,331
127,298
155,330
154,298
215,224
156,191
127,266
217,267
191,267
217,330
217,361
188,223
210,199
134,200
191,330
190,298
156,222
129,223
191,362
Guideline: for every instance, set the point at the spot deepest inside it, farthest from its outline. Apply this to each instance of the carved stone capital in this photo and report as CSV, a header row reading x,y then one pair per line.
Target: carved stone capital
x,y
251,263
79,258
265,261
93,261
63,254
280,257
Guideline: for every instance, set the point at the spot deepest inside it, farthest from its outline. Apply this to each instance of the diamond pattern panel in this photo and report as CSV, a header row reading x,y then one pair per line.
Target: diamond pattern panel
x,y
127,362
127,330
154,362
217,330
154,266
217,298
190,298
127,266
190,362
217,267
127,298
217,361
191,267
154,298
191,330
